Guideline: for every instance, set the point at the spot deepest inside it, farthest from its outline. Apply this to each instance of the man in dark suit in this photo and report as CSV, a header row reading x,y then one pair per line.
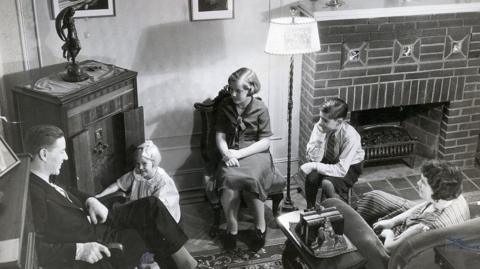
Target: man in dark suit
x,y
75,230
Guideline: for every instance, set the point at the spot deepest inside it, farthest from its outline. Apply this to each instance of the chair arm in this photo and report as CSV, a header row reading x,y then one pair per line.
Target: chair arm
x,y
424,241
110,200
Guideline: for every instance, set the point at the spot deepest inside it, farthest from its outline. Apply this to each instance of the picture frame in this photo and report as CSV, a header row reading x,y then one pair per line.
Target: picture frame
x,y
101,8
8,158
211,10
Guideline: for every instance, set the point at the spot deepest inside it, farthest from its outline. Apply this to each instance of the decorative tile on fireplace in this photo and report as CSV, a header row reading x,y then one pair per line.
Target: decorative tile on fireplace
x,y
354,55
456,49
406,52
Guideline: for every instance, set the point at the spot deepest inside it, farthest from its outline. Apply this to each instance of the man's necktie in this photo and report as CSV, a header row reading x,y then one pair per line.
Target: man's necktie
x,y
330,155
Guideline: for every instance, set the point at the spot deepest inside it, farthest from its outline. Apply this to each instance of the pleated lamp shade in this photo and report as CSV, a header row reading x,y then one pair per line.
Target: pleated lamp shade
x,y
292,35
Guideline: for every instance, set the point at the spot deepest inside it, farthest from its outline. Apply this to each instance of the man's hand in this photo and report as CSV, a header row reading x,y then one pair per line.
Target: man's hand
x,y
307,168
96,210
91,252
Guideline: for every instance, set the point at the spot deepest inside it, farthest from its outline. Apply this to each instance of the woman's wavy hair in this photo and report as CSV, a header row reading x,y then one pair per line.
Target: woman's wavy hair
x,y
444,178
249,79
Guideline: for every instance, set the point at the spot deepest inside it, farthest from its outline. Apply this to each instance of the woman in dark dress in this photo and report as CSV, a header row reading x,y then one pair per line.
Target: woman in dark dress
x,y
242,137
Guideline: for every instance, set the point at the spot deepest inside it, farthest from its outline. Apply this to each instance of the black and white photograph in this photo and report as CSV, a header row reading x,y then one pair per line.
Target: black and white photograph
x,y
97,8
248,134
211,9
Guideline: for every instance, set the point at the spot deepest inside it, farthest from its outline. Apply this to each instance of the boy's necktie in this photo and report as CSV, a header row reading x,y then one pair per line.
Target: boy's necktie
x,y
330,149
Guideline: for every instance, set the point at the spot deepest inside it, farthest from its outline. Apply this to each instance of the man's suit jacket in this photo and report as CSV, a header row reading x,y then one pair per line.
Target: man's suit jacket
x,y
59,223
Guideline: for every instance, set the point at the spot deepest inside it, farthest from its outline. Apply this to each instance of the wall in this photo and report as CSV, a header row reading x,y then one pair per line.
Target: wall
x,y
18,52
398,61
10,49
181,62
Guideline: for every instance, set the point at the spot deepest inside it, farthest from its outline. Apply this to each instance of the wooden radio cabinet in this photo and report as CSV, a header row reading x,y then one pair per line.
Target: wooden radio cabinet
x,y
100,117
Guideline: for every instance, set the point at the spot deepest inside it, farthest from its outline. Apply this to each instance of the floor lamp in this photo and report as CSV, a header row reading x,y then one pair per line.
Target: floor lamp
x,y
289,36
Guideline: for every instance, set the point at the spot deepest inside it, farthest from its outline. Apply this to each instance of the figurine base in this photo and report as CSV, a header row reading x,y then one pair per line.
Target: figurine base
x,y
74,73
334,3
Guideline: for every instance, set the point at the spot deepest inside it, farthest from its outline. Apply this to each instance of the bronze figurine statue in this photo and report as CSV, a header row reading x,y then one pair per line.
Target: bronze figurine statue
x,y
65,26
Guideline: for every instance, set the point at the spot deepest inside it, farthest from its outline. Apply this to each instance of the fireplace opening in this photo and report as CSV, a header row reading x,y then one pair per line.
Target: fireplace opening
x,y
399,133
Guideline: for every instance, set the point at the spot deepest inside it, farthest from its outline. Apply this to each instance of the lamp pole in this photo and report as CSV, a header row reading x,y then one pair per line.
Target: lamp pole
x,y
289,36
287,205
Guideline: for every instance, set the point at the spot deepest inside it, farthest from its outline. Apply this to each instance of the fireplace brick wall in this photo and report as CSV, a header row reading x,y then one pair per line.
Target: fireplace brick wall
x,y
399,61
425,126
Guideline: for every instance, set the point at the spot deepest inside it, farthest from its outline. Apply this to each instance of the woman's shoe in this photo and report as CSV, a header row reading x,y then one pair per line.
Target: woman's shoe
x,y
229,241
259,240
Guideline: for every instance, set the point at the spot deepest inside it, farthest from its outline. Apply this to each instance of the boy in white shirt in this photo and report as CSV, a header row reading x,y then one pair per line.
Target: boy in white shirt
x,y
335,153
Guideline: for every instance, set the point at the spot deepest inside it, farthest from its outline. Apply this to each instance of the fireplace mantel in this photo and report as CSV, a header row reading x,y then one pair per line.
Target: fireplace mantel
x,y
361,9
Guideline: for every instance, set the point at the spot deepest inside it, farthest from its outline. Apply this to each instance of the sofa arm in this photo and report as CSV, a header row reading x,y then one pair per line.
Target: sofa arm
x,y
422,242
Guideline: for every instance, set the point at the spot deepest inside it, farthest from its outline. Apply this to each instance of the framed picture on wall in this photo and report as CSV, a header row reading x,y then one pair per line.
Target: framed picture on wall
x,y
98,8
211,9
8,159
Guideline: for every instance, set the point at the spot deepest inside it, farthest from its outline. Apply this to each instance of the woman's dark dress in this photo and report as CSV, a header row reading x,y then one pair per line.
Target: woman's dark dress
x,y
256,171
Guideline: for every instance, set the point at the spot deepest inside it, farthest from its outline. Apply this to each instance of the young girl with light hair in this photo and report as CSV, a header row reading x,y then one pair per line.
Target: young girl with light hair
x,y
148,179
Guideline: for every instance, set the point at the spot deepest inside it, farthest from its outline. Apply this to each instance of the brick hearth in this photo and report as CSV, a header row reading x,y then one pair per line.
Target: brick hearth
x,y
401,61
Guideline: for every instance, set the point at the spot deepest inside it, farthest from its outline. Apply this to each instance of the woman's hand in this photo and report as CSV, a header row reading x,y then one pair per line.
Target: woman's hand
x,y
387,234
383,224
232,162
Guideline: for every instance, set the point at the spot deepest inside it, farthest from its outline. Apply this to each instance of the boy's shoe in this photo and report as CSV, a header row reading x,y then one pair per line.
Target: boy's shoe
x,y
259,240
229,241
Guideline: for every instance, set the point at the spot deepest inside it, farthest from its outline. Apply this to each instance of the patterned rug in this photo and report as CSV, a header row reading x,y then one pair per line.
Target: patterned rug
x,y
268,257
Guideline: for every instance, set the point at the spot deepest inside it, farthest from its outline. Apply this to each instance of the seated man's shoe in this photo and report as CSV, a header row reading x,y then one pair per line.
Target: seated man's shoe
x,y
259,240
229,241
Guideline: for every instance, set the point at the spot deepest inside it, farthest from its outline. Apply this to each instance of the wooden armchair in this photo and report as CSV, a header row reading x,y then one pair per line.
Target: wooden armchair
x,y
212,158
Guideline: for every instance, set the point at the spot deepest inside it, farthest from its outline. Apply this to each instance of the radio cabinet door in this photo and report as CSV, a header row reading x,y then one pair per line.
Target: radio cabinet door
x,y
104,150
134,132
83,162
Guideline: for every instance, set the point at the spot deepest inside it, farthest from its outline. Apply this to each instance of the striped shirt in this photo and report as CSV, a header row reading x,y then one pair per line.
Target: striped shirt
x,y
379,205
456,212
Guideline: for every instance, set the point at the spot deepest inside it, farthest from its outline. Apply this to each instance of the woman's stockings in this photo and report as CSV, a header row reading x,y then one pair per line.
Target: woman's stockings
x,y
231,202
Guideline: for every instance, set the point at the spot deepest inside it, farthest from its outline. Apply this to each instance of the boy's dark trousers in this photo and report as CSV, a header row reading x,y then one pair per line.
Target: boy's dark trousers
x,y
341,185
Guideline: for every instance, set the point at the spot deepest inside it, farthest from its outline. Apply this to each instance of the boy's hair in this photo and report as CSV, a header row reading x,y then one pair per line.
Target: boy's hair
x,y
149,151
444,179
334,108
250,79
41,136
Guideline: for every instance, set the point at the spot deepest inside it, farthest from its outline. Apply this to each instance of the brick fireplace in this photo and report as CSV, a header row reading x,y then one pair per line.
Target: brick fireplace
x,y
400,63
